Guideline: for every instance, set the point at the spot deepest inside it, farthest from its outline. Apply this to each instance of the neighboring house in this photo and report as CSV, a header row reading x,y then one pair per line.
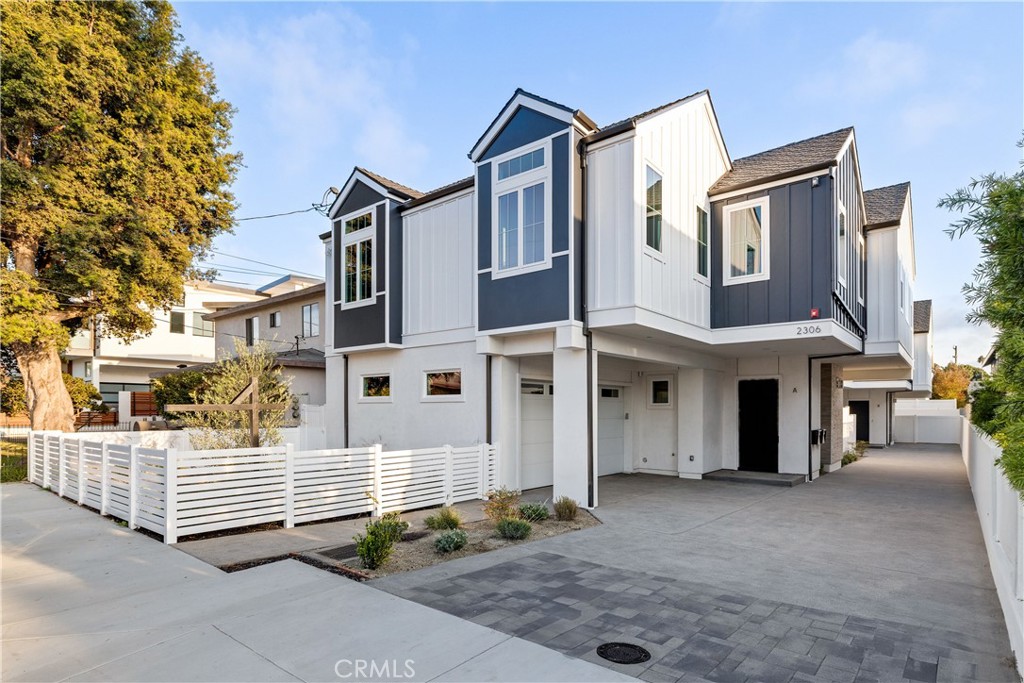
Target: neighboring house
x,y
289,321
627,298
180,336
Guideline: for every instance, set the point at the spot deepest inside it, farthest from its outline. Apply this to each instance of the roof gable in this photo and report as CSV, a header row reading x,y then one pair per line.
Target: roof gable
x,y
884,205
522,99
385,187
923,315
803,156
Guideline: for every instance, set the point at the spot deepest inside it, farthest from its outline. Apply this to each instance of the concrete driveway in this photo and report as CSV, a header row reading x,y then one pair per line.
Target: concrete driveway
x,y
877,572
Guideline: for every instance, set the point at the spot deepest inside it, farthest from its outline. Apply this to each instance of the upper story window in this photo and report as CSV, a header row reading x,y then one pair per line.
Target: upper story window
x,y
357,250
522,212
702,242
842,246
252,330
275,319
746,232
862,265
200,327
654,215
311,320
177,322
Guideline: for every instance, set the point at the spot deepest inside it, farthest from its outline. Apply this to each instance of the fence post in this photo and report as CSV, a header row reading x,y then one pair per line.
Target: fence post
x,y
482,481
46,461
171,495
289,487
31,454
378,502
62,468
104,478
133,486
449,474
81,471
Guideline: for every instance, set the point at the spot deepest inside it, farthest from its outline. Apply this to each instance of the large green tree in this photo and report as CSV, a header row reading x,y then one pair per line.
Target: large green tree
x,y
992,208
115,171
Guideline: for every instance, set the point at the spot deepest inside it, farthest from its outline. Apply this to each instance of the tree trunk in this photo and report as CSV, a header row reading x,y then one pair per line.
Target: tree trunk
x,y
49,405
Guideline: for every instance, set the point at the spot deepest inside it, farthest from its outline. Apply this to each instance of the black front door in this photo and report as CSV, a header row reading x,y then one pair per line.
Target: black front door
x,y
859,409
759,425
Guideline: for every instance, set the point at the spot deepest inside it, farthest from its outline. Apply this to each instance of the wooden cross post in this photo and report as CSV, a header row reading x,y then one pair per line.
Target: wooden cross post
x,y
253,407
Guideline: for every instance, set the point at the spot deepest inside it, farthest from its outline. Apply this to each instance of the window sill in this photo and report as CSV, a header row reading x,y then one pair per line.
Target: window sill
x,y
359,304
654,254
374,399
700,279
744,279
521,270
443,399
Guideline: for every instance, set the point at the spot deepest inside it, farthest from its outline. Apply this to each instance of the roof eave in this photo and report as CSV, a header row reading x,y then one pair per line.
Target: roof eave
x,y
772,179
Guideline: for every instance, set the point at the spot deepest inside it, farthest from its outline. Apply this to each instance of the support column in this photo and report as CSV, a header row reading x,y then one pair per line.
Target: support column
x,y
832,416
690,413
574,389
505,418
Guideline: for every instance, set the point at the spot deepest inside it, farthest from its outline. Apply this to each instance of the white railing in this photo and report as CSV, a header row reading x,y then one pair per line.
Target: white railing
x,y
1001,513
180,493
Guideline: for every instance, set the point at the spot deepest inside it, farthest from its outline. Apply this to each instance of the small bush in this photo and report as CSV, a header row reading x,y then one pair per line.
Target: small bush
x,y
566,509
392,525
534,512
514,529
501,504
850,457
445,518
451,540
375,547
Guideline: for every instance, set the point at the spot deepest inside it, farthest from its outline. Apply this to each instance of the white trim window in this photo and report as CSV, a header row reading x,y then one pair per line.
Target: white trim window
x,y
252,330
521,211
311,320
357,271
375,388
654,215
842,246
659,392
442,385
275,319
703,244
746,236
862,267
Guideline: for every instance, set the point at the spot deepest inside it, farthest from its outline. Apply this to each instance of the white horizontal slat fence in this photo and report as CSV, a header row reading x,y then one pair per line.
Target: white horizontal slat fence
x,y
181,493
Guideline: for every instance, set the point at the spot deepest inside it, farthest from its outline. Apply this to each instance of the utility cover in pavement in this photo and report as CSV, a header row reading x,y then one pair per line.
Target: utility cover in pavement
x,y
623,653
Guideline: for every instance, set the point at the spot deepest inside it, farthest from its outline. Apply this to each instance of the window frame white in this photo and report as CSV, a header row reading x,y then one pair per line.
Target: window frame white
x,y
357,237
704,210
648,249
302,316
442,398
274,319
252,330
650,392
518,183
842,245
204,329
862,255
363,398
728,278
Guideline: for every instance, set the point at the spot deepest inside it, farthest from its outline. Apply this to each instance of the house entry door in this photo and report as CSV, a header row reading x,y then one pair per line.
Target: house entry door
x,y
859,409
759,425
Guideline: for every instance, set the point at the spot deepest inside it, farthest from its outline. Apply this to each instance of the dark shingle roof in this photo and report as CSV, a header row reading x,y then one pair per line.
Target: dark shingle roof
x,y
630,122
792,159
884,205
450,188
397,188
922,315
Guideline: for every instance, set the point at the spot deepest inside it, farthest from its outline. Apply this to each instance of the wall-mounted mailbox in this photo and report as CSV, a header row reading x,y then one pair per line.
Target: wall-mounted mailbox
x,y
818,436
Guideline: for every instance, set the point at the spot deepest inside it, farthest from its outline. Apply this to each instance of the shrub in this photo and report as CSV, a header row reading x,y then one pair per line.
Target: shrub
x,y
375,547
849,457
501,504
566,509
392,526
451,540
514,529
534,512
445,518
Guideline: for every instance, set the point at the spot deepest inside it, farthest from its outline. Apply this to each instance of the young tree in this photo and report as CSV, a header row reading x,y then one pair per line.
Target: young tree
x,y
992,208
115,173
951,382
216,430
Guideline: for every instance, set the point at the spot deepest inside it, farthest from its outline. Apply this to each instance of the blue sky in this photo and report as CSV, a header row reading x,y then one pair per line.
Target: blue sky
x,y
935,91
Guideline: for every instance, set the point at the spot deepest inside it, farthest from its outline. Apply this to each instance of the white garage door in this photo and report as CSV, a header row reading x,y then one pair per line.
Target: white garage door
x,y
611,428
536,424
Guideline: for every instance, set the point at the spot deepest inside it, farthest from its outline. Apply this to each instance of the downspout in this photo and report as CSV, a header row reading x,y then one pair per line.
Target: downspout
x,y
487,400
344,389
581,152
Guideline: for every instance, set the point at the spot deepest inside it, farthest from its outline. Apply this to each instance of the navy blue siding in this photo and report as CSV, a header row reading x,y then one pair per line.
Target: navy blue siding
x,y
800,266
360,197
395,274
363,325
483,202
531,299
525,126
578,253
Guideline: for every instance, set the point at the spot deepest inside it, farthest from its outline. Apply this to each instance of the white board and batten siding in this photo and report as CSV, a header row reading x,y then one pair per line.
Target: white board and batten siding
x,y
439,270
890,262
682,145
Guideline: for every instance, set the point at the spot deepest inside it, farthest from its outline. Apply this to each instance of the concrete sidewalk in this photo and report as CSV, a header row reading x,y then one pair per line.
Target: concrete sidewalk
x,y
87,600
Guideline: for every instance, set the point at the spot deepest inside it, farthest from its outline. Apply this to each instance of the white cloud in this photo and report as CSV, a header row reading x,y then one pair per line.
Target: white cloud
x,y
870,67
322,84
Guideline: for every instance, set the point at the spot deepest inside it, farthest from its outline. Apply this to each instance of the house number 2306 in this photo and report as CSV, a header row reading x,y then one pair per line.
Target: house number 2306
x,y
808,329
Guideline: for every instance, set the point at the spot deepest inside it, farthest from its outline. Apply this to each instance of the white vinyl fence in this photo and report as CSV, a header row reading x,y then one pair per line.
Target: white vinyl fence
x,y
179,493
926,421
1001,513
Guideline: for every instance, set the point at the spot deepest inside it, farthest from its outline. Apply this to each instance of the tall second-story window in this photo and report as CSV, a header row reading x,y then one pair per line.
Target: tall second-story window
x,y
200,327
862,264
252,330
358,250
746,250
702,242
842,246
522,211
311,320
177,322
654,216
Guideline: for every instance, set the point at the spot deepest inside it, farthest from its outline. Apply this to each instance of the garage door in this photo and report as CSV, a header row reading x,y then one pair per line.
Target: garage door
x,y
611,428
536,435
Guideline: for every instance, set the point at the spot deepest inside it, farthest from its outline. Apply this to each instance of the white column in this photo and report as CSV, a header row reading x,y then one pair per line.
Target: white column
x,y
505,418
171,496
571,424
690,410
289,486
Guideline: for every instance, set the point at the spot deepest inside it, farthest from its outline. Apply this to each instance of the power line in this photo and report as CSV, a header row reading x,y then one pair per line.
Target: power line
x,y
264,263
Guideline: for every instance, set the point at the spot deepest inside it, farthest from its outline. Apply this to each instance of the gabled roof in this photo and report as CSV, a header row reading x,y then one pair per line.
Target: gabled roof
x,y
397,188
385,186
884,205
443,191
804,156
631,121
545,106
922,315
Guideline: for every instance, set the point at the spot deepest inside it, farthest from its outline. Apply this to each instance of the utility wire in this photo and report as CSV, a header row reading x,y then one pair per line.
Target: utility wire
x,y
264,263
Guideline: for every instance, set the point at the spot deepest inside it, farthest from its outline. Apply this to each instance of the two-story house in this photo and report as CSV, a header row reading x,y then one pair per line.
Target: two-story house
x,y
596,300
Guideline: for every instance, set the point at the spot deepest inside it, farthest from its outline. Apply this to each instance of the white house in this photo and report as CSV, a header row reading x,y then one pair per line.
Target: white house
x,y
180,336
627,298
